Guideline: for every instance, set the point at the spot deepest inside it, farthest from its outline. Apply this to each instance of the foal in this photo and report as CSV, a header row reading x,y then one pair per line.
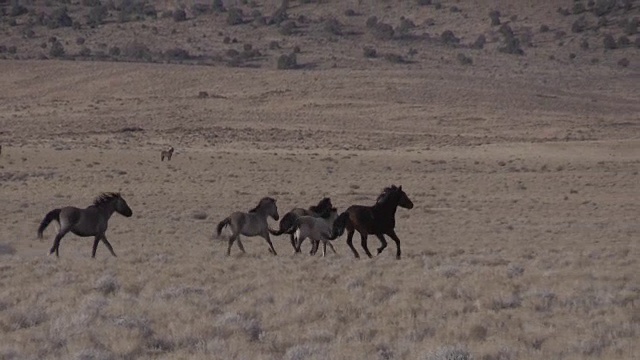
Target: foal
x,y
252,223
317,229
287,224
91,221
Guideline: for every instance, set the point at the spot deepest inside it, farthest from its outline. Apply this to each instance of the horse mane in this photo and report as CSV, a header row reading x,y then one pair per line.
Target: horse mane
x,y
262,201
323,208
385,193
105,198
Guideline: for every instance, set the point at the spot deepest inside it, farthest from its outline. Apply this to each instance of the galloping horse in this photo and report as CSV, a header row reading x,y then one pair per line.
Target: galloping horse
x,y
91,221
252,223
287,224
378,220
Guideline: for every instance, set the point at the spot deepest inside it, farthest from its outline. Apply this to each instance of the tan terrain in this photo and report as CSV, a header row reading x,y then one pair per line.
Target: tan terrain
x,y
524,171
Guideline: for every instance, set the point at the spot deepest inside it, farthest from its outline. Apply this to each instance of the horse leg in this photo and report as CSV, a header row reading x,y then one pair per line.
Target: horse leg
x,y
231,240
350,243
271,249
383,242
395,238
363,241
315,246
108,245
330,246
56,241
96,240
296,249
240,244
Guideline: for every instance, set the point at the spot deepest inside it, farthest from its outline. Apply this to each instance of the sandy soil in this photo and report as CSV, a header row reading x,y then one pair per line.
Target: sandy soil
x,y
523,242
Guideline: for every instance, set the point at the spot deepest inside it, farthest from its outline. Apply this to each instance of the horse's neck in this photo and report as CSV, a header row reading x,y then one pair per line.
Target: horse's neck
x,y
388,207
106,210
260,213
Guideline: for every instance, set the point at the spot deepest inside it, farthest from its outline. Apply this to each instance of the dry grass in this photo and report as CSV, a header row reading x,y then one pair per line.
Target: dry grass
x,y
522,243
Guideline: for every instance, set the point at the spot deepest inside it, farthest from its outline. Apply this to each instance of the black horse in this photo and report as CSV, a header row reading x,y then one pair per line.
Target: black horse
x,y
91,221
378,220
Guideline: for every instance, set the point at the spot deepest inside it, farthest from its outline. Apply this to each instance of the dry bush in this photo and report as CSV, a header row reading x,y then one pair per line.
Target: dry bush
x,y
25,318
369,52
423,2
624,62
287,62
287,27
57,50
455,352
495,17
579,25
234,16
478,333
200,215
6,249
464,59
544,28
332,26
405,27
623,41
609,42
449,38
394,58
382,31
179,15
479,43
107,284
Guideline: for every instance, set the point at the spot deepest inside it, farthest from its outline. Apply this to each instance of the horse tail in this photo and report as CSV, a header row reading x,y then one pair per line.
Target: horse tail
x,y
51,215
287,225
339,225
221,225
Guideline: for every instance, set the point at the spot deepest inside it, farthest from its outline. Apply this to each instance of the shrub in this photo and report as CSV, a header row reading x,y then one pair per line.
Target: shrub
x,y
603,7
579,25
287,27
218,6
383,31
609,42
273,45
333,26
450,353
394,58
85,51
17,9
637,42
60,18
578,8
80,40
624,62
234,16
405,27
372,21
495,17
56,50
200,9
96,15
350,12
631,27
449,38
437,6
479,43
564,12
12,49
114,51
464,60
177,54
423,2
179,15
584,44
511,42
286,62
454,9
369,52
544,28
137,50
623,41
572,56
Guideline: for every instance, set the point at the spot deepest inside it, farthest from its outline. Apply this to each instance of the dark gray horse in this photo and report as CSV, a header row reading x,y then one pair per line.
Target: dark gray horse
x,y
91,221
252,223
288,223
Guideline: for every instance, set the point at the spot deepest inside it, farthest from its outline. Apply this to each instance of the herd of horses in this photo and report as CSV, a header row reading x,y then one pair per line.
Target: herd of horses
x,y
319,223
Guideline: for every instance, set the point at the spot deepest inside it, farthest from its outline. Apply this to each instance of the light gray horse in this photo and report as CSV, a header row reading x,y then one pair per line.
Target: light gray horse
x,y
91,221
252,223
317,229
166,154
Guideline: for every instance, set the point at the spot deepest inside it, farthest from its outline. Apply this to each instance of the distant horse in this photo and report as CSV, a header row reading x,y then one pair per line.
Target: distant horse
x,y
91,221
287,224
166,154
378,220
252,223
317,229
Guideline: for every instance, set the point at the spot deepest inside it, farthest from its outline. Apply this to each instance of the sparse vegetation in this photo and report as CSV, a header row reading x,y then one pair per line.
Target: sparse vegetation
x,y
479,43
464,59
234,16
449,38
179,15
56,50
624,62
609,42
494,15
287,62
369,52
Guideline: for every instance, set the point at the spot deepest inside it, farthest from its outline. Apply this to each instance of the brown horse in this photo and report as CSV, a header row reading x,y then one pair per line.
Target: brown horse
x,y
378,220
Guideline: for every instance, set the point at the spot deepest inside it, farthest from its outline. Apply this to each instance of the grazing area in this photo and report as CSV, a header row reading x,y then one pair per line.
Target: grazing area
x,y
513,128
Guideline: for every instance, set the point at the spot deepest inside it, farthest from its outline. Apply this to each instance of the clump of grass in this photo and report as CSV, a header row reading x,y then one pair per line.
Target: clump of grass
x,y
450,352
449,38
464,59
107,284
369,52
494,15
287,62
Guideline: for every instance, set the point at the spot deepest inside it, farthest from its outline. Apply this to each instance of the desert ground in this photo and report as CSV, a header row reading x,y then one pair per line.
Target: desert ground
x,y
524,171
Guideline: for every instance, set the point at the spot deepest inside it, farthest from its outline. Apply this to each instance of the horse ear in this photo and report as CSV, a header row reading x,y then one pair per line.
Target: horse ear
x,y
400,187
